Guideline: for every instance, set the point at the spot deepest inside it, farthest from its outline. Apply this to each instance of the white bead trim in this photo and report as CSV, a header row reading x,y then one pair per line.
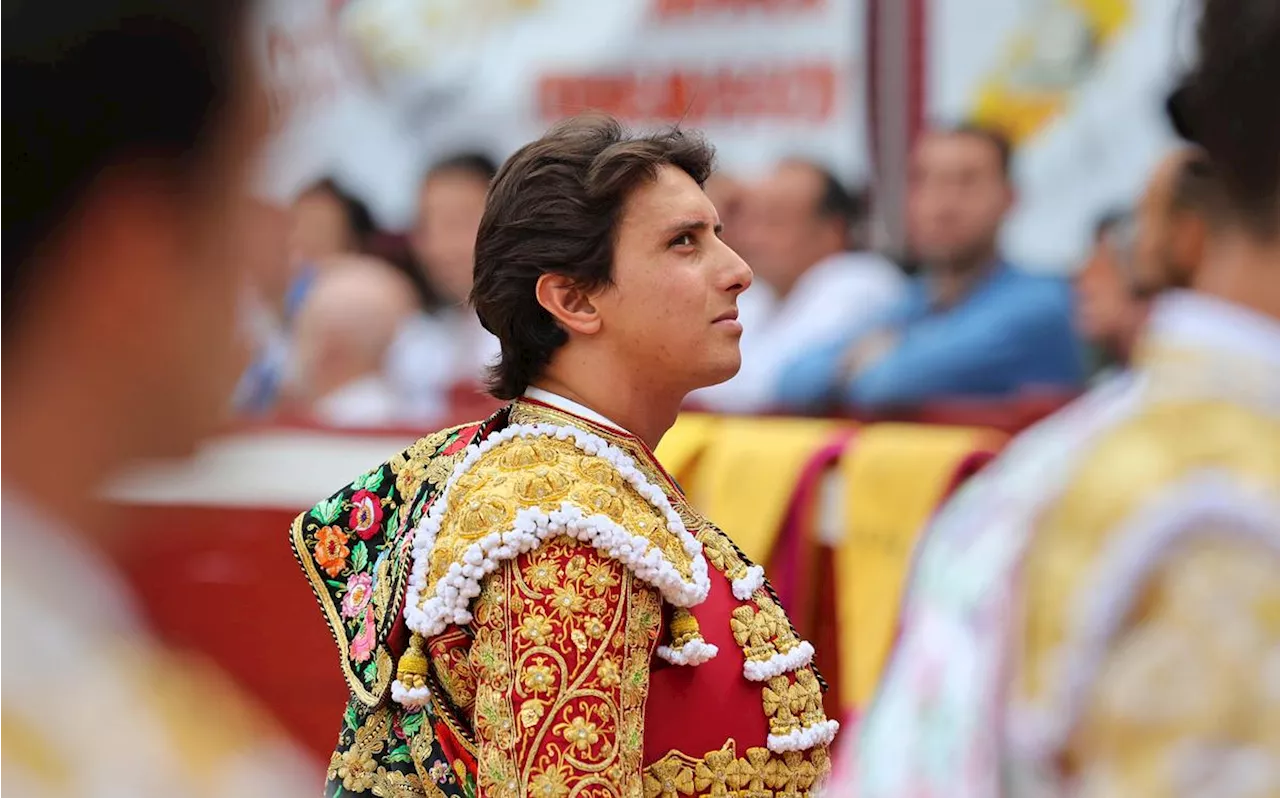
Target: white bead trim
x,y
804,739
745,587
693,653
410,697
453,593
780,663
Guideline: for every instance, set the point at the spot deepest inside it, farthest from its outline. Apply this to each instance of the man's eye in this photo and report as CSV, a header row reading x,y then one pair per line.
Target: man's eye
x,y
682,240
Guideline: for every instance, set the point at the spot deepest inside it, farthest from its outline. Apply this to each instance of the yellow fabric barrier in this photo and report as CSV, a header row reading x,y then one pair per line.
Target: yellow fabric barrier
x,y
748,474
894,477
684,443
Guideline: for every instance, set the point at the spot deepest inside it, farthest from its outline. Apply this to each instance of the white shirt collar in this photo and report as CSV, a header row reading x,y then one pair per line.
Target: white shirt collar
x,y
1192,319
569,406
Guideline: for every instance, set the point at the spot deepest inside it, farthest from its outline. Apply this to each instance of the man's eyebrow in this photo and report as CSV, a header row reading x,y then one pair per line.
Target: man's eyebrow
x,y
689,225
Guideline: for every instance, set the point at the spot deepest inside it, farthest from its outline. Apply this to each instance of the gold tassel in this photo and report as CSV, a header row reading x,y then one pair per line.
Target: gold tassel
x,y
411,671
684,627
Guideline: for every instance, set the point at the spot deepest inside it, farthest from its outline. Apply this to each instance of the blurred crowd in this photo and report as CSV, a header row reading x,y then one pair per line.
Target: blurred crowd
x,y
371,327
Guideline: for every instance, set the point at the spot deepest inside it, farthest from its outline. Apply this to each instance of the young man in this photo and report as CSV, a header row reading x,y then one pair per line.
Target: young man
x,y
528,605
1096,614
130,133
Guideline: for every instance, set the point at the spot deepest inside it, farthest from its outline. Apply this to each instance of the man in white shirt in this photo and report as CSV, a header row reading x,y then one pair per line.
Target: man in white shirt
x,y
797,227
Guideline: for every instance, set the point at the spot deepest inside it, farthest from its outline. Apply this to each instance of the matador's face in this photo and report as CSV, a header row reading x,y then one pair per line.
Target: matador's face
x,y
671,313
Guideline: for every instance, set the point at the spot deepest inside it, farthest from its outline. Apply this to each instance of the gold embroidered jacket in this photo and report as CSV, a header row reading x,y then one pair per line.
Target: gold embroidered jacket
x,y
528,606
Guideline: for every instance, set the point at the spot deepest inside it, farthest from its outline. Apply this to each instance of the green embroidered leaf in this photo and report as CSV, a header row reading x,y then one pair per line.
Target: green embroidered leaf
x,y
412,724
370,481
327,511
336,583
349,717
392,524
399,754
359,556
371,671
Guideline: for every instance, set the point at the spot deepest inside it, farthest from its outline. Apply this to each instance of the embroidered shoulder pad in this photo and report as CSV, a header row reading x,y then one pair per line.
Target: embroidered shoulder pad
x,y
529,483
353,548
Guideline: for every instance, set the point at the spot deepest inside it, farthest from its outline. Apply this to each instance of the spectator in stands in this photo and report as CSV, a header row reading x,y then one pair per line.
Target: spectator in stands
x,y
325,221
728,194
328,221
797,228
1110,310
972,324
344,329
444,347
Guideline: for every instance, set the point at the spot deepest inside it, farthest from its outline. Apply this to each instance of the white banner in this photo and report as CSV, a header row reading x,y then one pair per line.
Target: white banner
x,y
763,79
1080,84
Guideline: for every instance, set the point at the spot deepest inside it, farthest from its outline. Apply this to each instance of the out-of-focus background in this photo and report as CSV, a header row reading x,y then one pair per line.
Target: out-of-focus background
x,y
844,181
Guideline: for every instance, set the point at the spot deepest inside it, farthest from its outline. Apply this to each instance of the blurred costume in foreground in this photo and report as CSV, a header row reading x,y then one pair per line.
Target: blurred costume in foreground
x,y
528,606
1098,613
93,706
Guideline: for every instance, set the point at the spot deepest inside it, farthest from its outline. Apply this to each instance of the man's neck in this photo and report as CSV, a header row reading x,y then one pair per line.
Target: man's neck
x,y
644,414
1242,271
951,282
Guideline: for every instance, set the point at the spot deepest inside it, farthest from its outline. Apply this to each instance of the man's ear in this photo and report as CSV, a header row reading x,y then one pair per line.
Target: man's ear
x,y
568,303
1189,232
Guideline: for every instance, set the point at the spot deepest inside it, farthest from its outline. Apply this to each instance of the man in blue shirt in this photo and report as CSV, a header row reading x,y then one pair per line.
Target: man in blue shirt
x,y
971,324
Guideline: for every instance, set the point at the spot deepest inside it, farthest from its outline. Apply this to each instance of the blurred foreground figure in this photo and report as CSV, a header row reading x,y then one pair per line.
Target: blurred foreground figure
x,y
528,606
129,129
1096,614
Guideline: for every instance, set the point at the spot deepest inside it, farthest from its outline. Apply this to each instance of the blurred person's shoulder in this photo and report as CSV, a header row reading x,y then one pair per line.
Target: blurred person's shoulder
x,y
94,706
355,549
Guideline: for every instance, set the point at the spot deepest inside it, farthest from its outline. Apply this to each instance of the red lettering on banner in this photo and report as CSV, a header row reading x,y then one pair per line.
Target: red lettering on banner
x,y
669,9
804,92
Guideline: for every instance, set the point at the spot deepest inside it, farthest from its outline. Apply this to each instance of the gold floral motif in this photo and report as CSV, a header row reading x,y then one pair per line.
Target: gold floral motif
x,y
758,774
358,771
576,716
553,782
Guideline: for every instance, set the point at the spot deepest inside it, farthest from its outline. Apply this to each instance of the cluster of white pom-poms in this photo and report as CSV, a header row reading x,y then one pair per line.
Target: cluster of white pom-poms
x,y
453,593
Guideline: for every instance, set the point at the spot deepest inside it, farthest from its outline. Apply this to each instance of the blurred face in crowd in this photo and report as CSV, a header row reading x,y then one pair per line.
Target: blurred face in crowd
x,y
728,194
1169,239
958,198
671,313
783,231
1108,313
320,228
444,238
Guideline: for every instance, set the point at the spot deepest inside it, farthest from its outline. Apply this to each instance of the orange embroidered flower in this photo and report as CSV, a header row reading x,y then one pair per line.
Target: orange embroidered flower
x,y
580,733
331,549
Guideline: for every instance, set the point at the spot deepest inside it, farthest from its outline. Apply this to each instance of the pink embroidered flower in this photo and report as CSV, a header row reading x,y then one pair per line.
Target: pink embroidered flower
x,y
359,592
366,514
362,644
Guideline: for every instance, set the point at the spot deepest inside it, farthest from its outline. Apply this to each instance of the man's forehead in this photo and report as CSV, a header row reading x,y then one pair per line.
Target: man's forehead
x,y
670,196
947,147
